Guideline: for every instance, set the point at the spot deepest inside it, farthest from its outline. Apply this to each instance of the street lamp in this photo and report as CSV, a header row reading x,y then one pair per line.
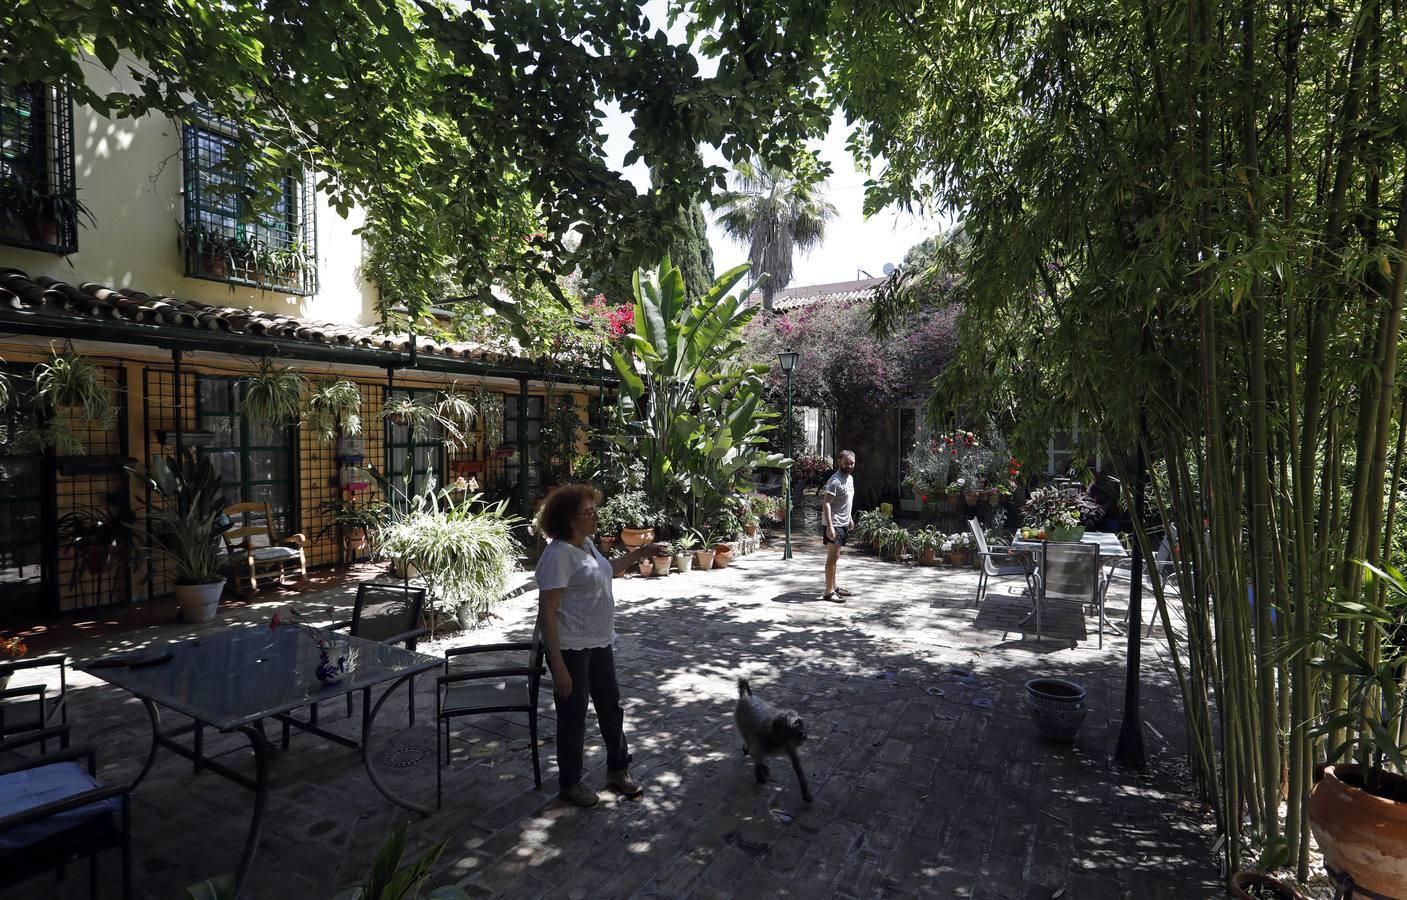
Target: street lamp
x,y
788,359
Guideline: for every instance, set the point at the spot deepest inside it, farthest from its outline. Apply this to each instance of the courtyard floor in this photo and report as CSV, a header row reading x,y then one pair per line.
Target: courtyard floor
x,y
929,778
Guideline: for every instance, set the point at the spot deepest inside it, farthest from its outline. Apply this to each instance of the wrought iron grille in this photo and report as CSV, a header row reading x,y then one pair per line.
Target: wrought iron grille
x,y
39,206
224,237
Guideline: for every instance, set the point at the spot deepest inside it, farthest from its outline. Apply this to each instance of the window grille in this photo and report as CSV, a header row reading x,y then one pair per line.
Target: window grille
x,y
224,237
39,206
256,461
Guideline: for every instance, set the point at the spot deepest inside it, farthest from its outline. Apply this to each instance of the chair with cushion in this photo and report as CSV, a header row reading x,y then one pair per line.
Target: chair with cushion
x,y
492,687
1070,571
54,811
997,562
34,707
388,614
253,551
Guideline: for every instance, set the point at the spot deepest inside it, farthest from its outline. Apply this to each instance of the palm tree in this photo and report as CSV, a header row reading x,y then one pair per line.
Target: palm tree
x,y
775,214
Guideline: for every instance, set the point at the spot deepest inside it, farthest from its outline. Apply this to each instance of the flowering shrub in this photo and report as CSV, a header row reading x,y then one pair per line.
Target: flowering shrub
x,y
12,647
812,467
960,461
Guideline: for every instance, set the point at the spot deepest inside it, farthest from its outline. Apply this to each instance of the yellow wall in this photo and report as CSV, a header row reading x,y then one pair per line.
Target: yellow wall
x,y
129,175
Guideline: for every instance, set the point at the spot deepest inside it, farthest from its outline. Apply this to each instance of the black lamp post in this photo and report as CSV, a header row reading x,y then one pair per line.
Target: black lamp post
x,y
788,359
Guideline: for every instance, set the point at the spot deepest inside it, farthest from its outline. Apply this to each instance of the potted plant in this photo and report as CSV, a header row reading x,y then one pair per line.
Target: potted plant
x,y
663,560
1056,706
1061,514
10,648
608,525
724,527
273,394
67,389
682,548
334,408
646,568
353,519
703,558
617,553
184,528
1358,811
927,542
637,518
956,548
100,540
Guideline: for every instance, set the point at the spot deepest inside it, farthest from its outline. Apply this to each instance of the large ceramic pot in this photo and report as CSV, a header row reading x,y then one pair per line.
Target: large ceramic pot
x,y
1056,706
1362,835
637,537
199,602
722,555
1259,886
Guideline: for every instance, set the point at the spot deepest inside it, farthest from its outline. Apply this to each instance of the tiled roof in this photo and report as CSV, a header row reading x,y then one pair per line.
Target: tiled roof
x,y
795,297
50,296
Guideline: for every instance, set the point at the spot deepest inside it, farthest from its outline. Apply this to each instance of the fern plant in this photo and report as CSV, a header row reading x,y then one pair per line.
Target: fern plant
x,y
273,394
334,408
68,388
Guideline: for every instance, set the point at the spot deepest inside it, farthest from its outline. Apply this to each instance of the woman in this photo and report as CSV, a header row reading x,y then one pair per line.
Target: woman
x,y
577,610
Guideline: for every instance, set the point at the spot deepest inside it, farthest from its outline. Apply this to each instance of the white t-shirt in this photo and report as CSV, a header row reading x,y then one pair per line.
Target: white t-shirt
x,y
586,616
841,489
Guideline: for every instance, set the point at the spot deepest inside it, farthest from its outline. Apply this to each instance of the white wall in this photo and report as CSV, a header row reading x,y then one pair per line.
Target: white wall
x,y
128,174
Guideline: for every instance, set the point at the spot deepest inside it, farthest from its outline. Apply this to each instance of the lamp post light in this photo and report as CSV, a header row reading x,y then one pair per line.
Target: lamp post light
x,y
788,359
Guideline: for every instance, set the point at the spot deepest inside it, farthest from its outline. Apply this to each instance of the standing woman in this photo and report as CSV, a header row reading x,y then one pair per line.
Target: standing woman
x,y
576,609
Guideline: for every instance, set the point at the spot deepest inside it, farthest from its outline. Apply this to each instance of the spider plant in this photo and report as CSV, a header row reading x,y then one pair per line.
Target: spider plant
x,y
68,382
273,394
421,415
491,410
334,408
460,407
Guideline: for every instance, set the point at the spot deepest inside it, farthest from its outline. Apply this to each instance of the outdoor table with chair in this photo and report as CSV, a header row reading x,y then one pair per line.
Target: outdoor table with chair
x,y
1072,570
234,680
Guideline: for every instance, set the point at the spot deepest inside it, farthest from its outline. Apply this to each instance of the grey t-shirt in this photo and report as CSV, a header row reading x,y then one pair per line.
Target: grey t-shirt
x,y
841,489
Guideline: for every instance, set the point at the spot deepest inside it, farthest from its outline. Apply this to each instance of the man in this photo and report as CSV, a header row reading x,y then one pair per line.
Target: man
x,y
837,503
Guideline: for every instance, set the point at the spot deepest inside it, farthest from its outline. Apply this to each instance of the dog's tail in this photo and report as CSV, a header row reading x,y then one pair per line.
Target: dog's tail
x,y
744,689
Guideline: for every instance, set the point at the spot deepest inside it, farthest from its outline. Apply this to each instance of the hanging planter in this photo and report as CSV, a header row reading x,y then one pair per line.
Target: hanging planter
x,y
273,394
69,389
334,411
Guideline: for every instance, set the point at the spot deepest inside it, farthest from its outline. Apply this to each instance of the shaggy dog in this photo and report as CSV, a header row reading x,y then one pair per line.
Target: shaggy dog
x,y
768,731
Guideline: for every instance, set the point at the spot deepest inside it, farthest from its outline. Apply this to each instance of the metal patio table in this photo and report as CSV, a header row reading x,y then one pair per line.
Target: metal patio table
x,y
233,680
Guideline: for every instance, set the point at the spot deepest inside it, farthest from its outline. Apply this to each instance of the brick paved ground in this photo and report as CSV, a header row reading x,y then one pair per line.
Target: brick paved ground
x,y
927,782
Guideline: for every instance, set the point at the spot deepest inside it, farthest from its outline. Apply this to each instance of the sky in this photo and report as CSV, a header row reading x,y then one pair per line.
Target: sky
x,y
854,247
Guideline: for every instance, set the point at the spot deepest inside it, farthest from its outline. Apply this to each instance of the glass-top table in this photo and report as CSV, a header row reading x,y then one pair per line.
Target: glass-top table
x,y
1111,552
234,680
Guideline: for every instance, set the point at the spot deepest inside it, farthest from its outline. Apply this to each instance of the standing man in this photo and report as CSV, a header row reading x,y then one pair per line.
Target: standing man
x,y
837,503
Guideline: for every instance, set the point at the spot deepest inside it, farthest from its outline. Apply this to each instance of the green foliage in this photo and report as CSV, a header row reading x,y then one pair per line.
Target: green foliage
x,y
464,548
452,125
777,214
273,394
67,389
334,408
628,509
691,252
184,522
694,420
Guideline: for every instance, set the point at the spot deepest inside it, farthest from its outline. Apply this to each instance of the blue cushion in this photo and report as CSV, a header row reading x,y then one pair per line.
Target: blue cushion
x,y
31,788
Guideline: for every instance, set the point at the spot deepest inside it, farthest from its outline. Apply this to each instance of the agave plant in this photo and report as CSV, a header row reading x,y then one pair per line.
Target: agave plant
x,y
273,394
334,408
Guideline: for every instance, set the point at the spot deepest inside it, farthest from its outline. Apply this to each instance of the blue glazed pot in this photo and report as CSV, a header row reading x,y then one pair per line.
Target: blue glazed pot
x,y
327,671
1057,707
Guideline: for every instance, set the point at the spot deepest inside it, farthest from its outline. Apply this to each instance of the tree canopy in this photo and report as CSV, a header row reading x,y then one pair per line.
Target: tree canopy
x,y
471,133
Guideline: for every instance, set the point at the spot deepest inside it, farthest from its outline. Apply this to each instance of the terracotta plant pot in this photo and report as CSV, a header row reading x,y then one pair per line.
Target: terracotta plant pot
x,y
929,557
750,530
703,559
646,567
662,564
636,537
970,497
1259,886
722,555
957,557
1362,835
683,561
1056,706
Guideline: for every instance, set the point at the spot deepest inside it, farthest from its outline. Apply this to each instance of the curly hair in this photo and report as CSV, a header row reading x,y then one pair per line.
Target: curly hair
x,y
561,506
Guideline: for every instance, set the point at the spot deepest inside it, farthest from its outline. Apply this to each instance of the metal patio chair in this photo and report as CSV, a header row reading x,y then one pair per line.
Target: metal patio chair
x,y
388,614
34,707
997,562
1069,571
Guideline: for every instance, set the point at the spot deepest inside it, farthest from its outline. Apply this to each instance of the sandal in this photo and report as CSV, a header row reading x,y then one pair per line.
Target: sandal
x,y
842,592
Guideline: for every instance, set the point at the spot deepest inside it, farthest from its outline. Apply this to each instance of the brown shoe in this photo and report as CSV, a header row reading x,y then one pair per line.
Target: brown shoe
x,y
578,795
621,783
832,597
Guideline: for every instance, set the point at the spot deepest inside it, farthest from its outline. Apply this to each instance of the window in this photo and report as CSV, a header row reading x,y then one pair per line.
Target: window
x,y
422,455
254,461
1061,447
512,472
39,206
224,236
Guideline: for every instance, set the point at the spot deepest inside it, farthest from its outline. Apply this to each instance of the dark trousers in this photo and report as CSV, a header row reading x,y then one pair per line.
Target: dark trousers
x,y
593,674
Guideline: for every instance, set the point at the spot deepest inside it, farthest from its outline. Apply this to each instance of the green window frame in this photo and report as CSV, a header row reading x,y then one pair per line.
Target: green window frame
x,y
39,207
426,455
256,462
224,238
513,470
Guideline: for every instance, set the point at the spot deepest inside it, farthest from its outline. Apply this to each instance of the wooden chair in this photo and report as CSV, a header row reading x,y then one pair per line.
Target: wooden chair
x,y
254,551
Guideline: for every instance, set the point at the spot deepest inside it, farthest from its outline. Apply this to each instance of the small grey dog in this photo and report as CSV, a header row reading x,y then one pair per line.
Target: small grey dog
x,y
768,731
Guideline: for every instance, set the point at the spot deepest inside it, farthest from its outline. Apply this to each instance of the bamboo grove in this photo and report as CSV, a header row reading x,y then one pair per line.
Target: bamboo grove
x,y
1185,225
